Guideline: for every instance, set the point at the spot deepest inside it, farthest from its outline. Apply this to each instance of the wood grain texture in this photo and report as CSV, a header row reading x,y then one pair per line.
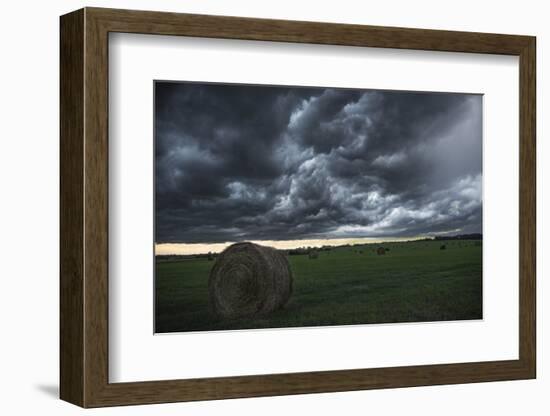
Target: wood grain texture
x,y
162,23
84,207
528,207
71,208
96,219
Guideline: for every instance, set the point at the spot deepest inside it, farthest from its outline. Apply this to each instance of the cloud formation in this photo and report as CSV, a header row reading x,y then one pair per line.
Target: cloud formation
x,y
237,162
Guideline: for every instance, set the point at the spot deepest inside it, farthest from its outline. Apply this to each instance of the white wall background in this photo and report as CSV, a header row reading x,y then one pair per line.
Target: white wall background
x,y
29,159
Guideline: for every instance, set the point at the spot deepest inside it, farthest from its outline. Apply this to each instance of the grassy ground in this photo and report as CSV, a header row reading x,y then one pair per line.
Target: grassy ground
x,y
413,282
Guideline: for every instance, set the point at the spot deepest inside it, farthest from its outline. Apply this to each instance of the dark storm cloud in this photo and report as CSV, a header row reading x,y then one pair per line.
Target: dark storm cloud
x,y
238,162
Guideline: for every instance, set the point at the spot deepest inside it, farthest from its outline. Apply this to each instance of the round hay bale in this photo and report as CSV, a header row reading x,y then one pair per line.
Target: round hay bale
x,y
248,280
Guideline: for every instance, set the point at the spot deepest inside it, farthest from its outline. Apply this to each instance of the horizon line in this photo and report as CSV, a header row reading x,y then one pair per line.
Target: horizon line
x,y
204,248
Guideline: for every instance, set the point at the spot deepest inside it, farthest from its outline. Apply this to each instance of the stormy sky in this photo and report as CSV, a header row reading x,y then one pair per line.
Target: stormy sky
x,y
238,162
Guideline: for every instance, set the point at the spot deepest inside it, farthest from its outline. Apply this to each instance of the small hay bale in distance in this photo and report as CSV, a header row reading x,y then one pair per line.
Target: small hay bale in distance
x,y
249,280
380,251
312,255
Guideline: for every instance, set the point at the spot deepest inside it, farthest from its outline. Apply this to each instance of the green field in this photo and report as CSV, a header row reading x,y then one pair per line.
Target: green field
x,y
413,282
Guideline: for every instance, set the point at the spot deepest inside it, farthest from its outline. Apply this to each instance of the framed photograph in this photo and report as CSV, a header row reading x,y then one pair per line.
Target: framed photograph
x,y
255,207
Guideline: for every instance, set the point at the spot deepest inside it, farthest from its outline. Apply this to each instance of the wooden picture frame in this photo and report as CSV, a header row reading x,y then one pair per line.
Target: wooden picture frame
x,y
84,207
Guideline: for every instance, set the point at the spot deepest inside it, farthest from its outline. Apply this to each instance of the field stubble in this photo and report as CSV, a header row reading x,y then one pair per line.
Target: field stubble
x,y
412,282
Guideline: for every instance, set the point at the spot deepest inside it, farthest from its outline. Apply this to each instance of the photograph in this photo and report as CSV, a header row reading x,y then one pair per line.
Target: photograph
x,y
276,204
281,206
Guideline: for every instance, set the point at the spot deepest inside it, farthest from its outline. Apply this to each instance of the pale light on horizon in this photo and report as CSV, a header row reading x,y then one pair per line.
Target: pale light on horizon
x,y
204,248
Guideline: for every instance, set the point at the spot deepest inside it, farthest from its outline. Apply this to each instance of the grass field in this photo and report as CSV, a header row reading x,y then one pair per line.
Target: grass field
x,y
413,282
